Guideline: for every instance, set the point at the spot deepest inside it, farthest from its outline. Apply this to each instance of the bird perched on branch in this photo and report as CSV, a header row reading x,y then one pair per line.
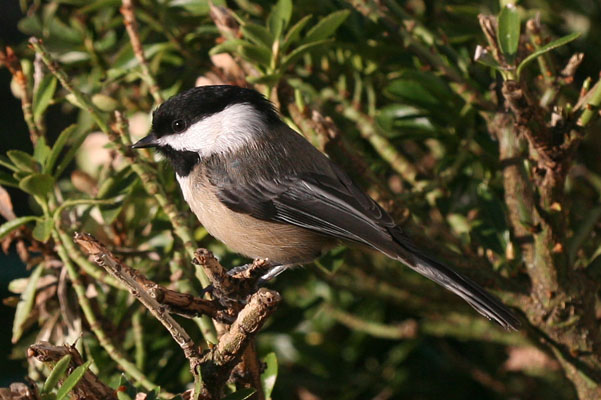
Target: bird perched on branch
x,y
266,192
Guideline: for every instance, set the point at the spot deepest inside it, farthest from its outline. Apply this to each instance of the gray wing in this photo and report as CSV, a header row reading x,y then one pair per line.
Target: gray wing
x,y
325,203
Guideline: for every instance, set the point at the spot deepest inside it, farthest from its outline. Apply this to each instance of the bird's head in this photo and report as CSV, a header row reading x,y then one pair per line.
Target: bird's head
x,y
207,120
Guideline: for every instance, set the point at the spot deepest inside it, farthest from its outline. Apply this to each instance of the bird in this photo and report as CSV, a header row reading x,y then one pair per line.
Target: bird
x,y
266,192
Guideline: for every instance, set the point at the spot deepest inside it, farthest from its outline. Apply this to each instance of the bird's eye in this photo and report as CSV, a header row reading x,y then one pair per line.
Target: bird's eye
x,y
179,125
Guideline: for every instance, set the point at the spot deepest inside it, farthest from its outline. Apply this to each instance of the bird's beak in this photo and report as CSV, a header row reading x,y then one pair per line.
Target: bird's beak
x,y
147,141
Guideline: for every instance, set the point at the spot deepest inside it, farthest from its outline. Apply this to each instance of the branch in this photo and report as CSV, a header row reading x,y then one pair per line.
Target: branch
x,y
129,278
233,285
232,289
591,103
530,123
127,10
10,60
20,391
216,365
219,362
82,101
95,325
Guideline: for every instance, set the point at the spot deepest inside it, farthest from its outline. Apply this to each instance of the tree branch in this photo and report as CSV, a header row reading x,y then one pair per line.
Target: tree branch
x,y
129,278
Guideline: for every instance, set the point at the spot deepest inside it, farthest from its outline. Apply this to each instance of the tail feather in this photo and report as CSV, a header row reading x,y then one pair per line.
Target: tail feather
x,y
482,301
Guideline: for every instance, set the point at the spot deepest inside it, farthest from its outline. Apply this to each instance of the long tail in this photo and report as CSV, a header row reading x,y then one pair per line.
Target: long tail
x,y
482,301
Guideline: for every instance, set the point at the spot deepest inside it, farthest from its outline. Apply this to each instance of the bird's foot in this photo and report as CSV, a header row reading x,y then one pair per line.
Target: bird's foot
x,y
239,269
272,273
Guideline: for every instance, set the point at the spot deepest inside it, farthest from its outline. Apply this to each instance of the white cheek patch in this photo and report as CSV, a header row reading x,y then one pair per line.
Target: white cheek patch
x,y
227,130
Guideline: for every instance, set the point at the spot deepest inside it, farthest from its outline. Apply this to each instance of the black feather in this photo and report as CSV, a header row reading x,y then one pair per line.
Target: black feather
x,y
183,162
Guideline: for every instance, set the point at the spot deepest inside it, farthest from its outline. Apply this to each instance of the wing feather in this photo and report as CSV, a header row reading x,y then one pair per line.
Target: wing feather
x,y
314,201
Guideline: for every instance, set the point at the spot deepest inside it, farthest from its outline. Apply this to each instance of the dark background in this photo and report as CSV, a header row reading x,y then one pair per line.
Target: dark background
x,y
14,137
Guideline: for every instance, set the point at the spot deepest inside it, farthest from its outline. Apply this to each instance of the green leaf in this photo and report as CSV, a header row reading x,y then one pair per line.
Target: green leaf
x,y
20,175
43,229
72,380
26,303
87,202
126,60
123,396
258,34
413,92
326,26
104,102
43,96
435,85
230,46
66,160
396,118
58,147
279,17
546,48
241,394
22,160
294,33
119,183
6,163
57,373
508,34
37,184
13,224
41,151
301,50
105,42
66,34
31,25
459,223
256,54
429,92
269,376
126,387
195,7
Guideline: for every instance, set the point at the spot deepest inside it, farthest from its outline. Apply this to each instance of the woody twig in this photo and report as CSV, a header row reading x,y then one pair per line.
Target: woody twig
x,y
129,278
236,301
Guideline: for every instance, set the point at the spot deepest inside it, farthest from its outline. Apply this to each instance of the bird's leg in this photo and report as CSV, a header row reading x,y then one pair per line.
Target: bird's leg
x,y
248,278
232,272
205,290
238,269
272,273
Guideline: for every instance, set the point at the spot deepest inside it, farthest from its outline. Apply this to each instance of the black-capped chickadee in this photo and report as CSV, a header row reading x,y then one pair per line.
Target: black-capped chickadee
x,y
266,192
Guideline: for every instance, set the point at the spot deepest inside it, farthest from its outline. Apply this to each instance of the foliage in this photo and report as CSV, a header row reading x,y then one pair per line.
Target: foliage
x,y
466,128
